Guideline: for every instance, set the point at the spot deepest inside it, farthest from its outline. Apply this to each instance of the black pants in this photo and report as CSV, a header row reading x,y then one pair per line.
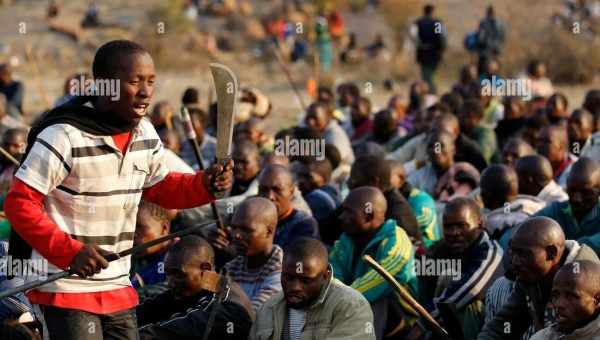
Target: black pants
x,y
72,324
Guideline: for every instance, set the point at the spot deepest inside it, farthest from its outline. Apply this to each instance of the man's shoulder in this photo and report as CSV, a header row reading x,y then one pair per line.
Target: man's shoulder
x,y
344,295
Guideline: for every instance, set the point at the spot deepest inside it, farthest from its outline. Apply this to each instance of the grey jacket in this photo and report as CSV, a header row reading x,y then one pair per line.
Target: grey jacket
x,y
340,313
527,305
591,331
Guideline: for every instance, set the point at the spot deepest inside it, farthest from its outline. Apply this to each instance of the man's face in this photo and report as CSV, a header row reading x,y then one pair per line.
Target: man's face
x,y
136,76
308,180
557,108
467,121
574,300
250,237
5,74
359,113
147,229
529,260
511,153
316,118
583,195
245,165
440,152
275,189
397,177
184,273
549,146
15,145
302,281
577,131
461,229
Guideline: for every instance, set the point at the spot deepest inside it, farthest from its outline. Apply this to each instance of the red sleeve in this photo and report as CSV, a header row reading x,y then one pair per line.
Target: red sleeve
x,y
24,209
179,191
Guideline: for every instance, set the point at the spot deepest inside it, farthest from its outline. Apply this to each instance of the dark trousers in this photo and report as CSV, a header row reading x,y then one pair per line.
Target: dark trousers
x,y
72,324
428,75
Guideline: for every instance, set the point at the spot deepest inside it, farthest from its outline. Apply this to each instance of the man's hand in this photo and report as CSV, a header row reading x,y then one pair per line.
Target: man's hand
x,y
218,178
219,238
89,261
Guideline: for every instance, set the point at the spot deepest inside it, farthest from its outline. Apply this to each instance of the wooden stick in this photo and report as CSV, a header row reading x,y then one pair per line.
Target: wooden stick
x,y
288,75
435,326
9,157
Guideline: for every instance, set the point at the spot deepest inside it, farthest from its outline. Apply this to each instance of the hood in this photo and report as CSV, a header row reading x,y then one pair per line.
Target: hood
x,y
511,215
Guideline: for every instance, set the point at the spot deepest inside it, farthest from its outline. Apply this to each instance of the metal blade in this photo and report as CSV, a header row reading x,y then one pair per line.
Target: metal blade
x,y
226,89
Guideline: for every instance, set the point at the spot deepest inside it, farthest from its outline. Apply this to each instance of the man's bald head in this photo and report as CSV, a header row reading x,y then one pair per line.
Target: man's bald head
x,y
583,186
540,231
585,169
535,172
536,249
449,123
257,209
553,143
278,171
363,211
499,185
576,295
514,149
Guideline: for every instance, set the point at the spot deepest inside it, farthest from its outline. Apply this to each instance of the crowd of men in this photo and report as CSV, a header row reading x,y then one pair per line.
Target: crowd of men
x,y
485,209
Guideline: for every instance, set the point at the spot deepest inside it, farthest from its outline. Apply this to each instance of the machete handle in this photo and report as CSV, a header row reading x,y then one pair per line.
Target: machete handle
x,y
223,162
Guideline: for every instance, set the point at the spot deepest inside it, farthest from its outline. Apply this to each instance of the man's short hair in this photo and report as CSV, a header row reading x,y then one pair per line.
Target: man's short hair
x,y
108,56
304,247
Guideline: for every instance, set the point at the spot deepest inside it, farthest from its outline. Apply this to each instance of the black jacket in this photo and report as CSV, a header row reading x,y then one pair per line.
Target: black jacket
x,y
164,317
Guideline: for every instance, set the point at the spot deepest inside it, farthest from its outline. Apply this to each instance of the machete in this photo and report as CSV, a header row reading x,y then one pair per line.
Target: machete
x,y
226,88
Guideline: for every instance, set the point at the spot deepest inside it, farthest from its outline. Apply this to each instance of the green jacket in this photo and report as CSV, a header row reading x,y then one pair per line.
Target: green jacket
x,y
392,249
339,313
425,211
486,140
585,231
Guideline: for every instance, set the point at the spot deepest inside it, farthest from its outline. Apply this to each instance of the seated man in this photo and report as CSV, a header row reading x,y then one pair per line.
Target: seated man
x,y
376,172
153,222
441,151
535,179
257,268
367,232
537,250
184,310
475,262
514,149
313,304
580,215
313,181
470,117
553,143
506,209
276,183
576,297
422,204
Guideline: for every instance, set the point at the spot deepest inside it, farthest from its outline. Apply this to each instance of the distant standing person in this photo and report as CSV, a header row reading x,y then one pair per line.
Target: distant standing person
x,y
490,37
430,37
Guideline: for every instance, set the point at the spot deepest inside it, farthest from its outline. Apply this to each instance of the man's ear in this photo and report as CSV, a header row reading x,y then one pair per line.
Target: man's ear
x,y
551,252
597,300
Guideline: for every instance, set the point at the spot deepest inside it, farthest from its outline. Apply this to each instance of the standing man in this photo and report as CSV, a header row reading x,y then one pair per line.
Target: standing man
x,y
76,195
430,36
490,38
12,89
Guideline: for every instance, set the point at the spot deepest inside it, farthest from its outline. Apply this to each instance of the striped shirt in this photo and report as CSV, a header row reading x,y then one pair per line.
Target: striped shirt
x,y
92,192
294,325
259,285
480,266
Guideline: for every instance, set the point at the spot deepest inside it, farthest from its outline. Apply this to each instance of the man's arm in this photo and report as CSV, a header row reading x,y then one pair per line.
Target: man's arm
x,y
231,322
511,321
353,321
398,260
